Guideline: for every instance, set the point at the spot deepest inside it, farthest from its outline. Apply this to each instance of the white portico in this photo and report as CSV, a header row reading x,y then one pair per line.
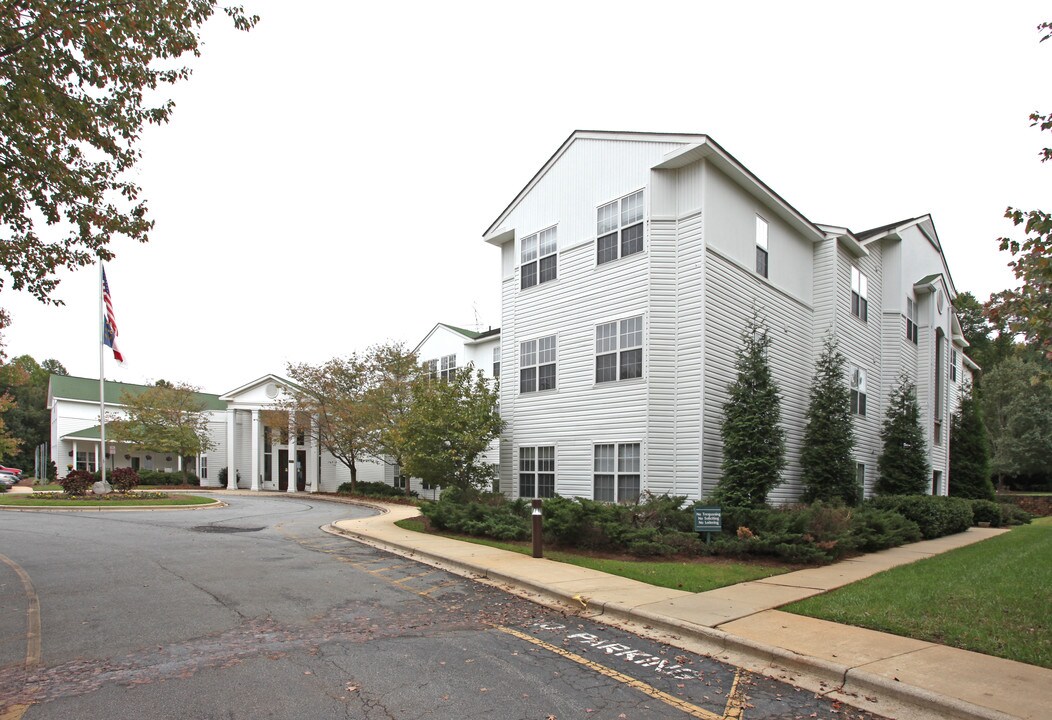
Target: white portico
x,y
265,448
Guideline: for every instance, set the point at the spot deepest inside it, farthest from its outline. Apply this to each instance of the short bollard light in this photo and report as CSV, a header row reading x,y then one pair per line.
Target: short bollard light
x,y
538,537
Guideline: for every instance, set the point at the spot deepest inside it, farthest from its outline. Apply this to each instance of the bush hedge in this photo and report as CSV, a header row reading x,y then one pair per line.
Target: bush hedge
x,y
935,515
374,489
78,482
986,511
125,479
156,477
488,515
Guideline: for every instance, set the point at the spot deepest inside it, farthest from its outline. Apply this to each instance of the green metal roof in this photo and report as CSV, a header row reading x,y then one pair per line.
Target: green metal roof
x,y
87,389
467,333
91,433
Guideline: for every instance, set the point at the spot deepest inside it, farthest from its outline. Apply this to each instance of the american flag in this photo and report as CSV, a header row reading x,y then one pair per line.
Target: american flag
x,y
109,332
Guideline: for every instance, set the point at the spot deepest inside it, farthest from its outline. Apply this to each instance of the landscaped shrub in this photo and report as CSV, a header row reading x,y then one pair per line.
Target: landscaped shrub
x,y
486,517
374,489
157,477
986,511
656,525
873,530
77,482
124,479
1012,514
935,515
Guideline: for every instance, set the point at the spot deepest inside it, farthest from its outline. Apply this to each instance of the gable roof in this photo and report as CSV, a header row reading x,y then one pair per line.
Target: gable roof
x,y
268,378
69,387
926,226
694,147
470,335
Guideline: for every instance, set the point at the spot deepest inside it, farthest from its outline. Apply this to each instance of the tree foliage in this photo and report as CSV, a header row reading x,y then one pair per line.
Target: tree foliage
x,y
448,428
1027,310
828,469
77,82
988,344
903,463
969,452
753,441
164,419
27,419
394,370
334,394
1017,413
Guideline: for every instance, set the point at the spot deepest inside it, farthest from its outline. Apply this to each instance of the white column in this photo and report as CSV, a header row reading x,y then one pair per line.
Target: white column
x,y
97,453
292,452
255,450
231,470
179,462
74,455
313,461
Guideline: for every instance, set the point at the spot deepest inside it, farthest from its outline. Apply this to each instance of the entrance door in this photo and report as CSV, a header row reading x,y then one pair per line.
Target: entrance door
x,y
283,470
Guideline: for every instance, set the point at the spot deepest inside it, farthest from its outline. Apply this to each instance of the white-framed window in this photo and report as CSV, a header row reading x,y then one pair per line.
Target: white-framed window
x,y
537,471
858,391
953,366
761,246
449,367
496,362
538,259
399,479
202,466
616,476
431,369
859,294
911,320
537,364
619,350
619,228
860,480
86,460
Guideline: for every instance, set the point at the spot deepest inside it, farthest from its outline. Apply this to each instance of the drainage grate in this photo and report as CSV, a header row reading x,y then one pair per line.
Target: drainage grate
x,y
224,529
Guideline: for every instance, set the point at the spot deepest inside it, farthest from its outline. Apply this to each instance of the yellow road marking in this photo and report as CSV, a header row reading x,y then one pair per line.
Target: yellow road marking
x,y
32,614
735,702
692,710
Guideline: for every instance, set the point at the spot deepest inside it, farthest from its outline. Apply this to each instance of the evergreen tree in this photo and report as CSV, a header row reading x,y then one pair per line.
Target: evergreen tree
x,y
828,468
753,442
903,464
969,453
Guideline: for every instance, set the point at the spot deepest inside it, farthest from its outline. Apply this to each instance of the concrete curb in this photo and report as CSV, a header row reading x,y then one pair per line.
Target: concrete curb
x,y
132,508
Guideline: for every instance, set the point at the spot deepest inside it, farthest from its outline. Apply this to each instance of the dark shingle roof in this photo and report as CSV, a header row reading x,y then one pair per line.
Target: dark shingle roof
x,y
865,234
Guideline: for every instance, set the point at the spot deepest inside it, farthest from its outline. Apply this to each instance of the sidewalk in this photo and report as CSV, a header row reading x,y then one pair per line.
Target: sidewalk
x,y
742,621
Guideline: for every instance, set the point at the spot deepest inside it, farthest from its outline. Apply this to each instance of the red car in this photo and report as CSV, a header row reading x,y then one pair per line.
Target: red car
x,y
15,471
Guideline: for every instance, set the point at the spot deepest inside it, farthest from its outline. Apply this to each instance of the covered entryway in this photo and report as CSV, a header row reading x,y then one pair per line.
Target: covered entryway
x,y
283,470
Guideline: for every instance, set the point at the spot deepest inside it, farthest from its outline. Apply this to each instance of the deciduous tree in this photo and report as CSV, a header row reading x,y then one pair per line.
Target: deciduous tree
x,y
903,463
448,428
393,370
77,82
1017,413
164,419
753,440
27,419
828,470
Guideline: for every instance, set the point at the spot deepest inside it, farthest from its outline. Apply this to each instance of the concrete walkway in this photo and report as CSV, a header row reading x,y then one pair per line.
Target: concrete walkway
x,y
741,623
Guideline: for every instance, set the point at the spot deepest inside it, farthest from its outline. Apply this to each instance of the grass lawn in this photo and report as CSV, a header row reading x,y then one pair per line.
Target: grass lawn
x,y
21,500
697,576
994,597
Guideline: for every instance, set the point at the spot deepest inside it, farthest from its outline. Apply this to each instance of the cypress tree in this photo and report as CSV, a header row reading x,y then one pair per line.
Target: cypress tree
x,y
969,453
753,442
903,464
828,468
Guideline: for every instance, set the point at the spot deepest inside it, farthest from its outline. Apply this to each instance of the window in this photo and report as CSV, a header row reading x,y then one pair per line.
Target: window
x,y
537,472
537,365
616,475
860,480
496,362
761,246
538,258
431,369
858,391
859,293
86,460
619,350
399,479
911,320
953,366
936,482
449,367
202,464
619,228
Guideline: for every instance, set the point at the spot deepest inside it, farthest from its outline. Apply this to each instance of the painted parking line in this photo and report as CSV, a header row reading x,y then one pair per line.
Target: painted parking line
x,y
686,707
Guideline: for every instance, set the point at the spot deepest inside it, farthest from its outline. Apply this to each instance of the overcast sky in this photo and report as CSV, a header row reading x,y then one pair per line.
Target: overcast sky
x,y
325,180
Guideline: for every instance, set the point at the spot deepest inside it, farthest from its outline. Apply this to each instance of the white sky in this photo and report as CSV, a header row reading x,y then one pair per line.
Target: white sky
x,y
326,178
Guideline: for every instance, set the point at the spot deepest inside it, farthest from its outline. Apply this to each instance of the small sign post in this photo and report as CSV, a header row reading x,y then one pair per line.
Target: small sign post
x,y
538,535
708,520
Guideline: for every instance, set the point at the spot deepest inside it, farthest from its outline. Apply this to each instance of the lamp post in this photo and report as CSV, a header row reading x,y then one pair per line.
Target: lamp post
x,y
538,536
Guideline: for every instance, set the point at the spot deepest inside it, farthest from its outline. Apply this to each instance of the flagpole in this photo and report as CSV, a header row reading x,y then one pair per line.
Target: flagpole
x,y
102,375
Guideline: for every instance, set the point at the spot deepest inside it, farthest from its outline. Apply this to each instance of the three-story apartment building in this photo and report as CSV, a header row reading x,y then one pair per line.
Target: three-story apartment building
x,y
630,264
